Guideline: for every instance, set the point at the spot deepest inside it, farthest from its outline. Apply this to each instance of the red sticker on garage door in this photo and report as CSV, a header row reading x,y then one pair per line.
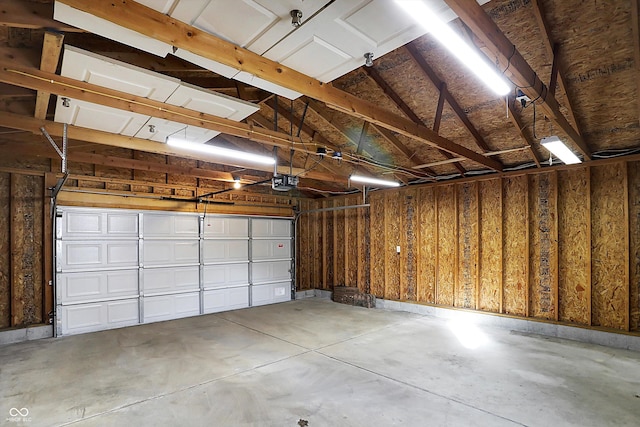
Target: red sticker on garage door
x,y
280,245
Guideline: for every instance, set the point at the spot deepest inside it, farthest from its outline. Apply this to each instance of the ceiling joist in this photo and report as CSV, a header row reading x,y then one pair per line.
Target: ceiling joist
x,y
51,49
149,22
33,125
515,66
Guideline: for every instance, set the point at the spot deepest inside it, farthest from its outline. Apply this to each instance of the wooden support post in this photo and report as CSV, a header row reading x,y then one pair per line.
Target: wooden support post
x,y
556,250
386,243
346,243
437,246
50,181
335,245
501,245
527,250
360,238
478,246
51,49
437,120
589,261
456,256
627,250
13,261
325,252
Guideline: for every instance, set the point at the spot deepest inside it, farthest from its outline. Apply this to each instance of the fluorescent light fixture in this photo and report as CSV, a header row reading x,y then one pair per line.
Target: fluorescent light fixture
x,y
454,43
219,151
374,181
560,150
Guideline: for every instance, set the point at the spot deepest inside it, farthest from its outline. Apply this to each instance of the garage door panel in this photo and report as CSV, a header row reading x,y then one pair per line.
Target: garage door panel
x,y
82,255
223,275
98,285
77,225
170,226
226,227
166,307
270,271
217,300
164,253
270,249
82,318
216,251
269,228
159,280
270,293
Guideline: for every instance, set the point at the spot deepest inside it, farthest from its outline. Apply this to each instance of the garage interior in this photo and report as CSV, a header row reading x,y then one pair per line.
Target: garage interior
x,y
312,212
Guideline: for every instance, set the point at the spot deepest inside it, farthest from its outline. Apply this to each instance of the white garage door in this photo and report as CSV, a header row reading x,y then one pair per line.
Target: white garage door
x,y
118,268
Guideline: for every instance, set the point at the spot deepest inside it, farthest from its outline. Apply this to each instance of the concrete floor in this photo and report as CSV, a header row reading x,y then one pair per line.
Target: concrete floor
x,y
315,360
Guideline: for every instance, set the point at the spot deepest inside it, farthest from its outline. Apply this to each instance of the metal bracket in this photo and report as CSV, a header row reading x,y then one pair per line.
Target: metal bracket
x,y
63,153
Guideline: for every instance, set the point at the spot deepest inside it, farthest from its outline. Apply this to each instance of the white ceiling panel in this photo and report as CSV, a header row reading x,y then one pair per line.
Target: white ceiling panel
x,y
252,80
102,27
164,6
157,129
99,117
206,101
95,69
316,57
206,63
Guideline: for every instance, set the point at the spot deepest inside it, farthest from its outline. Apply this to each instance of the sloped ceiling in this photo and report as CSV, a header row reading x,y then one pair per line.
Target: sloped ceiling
x,y
596,46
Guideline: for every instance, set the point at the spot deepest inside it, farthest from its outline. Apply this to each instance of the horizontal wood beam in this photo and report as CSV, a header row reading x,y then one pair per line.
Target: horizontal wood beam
x,y
51,49
28,14
149,22
64,86
515,66
16,121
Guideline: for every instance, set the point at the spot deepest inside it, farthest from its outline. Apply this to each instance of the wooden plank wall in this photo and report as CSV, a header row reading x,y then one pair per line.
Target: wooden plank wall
x,y
21,249
558,245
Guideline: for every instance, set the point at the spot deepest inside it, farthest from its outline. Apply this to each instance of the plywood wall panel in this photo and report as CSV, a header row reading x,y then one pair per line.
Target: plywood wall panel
x,y
5,249
26,249
184,180
467,244
304,248
515,252
446,203
633,169
364,262
542,241
608,229
351,243
408,245
393,207
330,230
377,237
318,260
426,245
574,246
338,243
490,286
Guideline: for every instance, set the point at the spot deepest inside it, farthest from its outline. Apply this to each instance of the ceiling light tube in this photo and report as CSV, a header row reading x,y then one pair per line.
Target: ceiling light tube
x,y
560,150
219,151
455,44
374,181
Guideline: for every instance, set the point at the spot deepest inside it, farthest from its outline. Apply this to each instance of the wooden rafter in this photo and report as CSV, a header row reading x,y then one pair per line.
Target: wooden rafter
x,y
315,136
517,123
33,125
147,21
453,103
398,101
63,86
515,66
323,112
51,49
28,14
635,29
552,51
